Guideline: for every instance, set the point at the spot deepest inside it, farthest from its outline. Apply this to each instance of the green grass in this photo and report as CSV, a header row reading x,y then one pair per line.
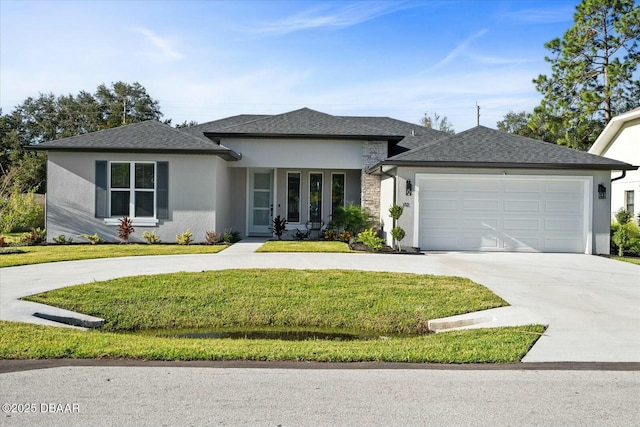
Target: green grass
x,y
632,260
499,345
55,253
304,246
377,302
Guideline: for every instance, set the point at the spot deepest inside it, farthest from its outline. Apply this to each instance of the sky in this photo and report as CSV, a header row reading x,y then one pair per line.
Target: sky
x,y
205,60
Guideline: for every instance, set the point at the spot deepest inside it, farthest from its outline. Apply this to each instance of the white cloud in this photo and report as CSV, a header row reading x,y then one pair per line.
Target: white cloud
x,y
163,46
457,51
548,15
346,15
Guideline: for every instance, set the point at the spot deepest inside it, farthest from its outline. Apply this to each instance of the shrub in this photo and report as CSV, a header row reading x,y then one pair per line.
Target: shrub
x,y
398,234
623,216
20,212
395,211
330,234
345,237
230,236
125,229
370,239
34,237
185,238
301,235
62,240
2,242
94,239
150,237
626,238
211,238
352,218
279,226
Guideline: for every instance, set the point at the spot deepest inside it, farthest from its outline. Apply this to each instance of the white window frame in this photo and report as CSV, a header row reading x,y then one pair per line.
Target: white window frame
x,y
344,196
286,207
626,201
141,221
321,195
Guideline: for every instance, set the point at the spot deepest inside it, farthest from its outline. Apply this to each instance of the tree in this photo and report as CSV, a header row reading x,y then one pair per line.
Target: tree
x,y
186,124
434,121
50,117
593,68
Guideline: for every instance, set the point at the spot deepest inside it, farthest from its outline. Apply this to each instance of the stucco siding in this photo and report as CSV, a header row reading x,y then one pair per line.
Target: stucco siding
x,y
296,153
600,224
71,195
626,148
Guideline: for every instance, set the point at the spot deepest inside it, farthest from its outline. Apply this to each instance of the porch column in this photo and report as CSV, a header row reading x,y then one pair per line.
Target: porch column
x,y
372,153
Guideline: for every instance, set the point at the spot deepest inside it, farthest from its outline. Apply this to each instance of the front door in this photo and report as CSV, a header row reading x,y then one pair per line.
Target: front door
x,y
260,202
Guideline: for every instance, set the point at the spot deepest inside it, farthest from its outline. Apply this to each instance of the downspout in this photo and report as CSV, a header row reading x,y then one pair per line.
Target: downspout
x,y
624,173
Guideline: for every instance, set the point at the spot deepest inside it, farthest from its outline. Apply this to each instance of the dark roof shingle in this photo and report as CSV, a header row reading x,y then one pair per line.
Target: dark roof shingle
x,y
484,147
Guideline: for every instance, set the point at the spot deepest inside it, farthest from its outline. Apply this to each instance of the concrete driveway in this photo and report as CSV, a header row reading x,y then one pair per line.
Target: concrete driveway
x,y
591,304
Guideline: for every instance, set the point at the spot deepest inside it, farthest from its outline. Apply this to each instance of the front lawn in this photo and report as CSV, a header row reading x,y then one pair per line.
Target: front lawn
x,y
391,307
632,260
55,253
304,246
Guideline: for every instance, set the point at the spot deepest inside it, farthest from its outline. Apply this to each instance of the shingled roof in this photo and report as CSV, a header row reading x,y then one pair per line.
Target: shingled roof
x,y
484,147
148,136
304,123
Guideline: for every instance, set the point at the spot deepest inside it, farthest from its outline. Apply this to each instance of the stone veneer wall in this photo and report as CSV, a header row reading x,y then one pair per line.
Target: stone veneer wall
x,y
372,153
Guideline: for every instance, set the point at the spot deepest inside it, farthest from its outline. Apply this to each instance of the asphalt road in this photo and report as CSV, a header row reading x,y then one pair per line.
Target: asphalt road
x,y
195,396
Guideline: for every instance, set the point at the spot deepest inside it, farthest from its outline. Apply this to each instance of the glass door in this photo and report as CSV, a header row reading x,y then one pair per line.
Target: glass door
x,y
261,202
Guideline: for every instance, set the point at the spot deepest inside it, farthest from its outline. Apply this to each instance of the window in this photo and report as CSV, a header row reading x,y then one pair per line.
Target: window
x,y
315,196
337,191
629,201
293,197
132,189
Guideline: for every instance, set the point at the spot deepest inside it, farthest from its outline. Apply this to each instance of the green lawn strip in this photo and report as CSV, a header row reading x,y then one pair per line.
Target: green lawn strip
x,y
499,345
377,302
632,260
55,253
304,246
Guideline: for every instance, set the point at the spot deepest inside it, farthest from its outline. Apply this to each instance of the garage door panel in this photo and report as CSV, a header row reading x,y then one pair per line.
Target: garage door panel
x,y
483,242
522,205
436,223
562,225
510,213
471,205
529,224
571,207
522,187
479,224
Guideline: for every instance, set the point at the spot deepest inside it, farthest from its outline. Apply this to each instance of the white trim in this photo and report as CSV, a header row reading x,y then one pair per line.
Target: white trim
x,y
587,182
286,200
321,195
250,182
132,190
140,222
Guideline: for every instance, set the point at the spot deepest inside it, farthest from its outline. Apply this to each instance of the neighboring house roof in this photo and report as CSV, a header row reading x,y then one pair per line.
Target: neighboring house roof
x,y
484,147
611,131
304,123
148,136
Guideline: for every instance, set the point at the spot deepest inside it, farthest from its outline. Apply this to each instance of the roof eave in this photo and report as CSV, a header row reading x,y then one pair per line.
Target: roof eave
x,y
229,155
606,138
217,136
559,166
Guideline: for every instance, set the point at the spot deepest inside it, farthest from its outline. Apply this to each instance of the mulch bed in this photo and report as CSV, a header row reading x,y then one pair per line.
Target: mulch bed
x,y
385,249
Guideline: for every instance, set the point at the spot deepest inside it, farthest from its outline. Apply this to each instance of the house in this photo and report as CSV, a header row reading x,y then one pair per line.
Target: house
x,y
620,140
477,190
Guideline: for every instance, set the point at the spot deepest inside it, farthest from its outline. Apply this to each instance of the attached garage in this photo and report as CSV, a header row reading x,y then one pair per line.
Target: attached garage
x,y
503,213
486,190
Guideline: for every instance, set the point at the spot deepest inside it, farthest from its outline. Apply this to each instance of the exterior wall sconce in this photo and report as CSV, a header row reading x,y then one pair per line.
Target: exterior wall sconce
x,y
409,188
602,191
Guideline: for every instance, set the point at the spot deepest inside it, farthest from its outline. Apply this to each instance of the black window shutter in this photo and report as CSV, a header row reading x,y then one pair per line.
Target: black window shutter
x,y
162,189
102,190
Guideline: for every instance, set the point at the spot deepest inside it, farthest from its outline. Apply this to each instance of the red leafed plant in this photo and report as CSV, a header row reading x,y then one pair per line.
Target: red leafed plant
x,y
125,229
